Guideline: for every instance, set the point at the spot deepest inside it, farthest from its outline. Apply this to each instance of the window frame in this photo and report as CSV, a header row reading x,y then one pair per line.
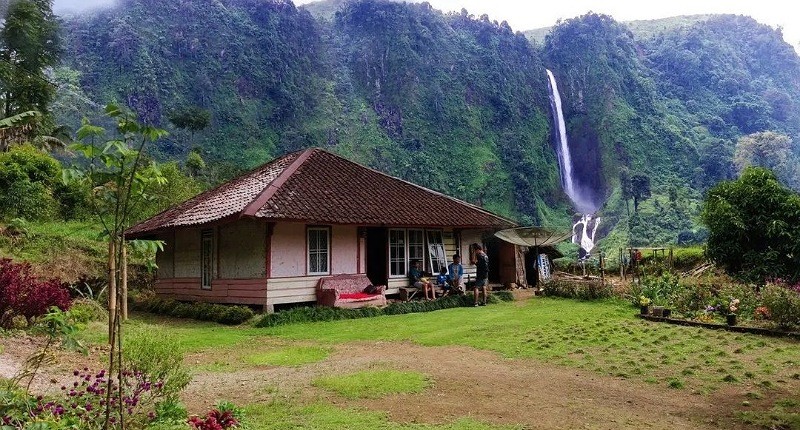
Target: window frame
x,y
207,259
327,250
404,255
425,258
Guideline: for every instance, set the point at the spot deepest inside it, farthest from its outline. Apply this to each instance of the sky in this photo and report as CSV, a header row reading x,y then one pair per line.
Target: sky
x,y
529,14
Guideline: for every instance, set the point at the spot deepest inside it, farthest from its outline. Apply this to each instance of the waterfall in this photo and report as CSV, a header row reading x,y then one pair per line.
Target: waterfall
x,y
584,230
562,149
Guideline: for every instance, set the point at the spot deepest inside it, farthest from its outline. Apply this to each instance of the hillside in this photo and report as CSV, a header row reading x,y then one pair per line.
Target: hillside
x,y
452,101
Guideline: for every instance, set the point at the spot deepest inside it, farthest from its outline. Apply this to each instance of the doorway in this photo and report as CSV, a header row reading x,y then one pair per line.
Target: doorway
x,y
377,257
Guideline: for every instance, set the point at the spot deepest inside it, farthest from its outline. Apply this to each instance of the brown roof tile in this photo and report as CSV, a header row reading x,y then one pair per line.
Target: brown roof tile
x,y
320,187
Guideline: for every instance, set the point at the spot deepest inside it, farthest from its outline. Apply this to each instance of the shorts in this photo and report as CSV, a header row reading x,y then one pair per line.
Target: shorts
x,y
419,284
480,283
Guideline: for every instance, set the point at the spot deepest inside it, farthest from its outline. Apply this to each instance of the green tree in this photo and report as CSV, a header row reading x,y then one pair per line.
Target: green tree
x,y
195,163
28,179
626,187
28,45
190,118
754,226
121,179
770,150
640,189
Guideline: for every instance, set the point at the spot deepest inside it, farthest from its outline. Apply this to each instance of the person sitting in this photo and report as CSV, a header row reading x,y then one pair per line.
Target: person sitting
x,y
441,281
455,273
417,278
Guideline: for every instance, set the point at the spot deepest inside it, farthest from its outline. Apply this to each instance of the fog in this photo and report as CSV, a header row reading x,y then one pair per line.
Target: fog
x,y
61,7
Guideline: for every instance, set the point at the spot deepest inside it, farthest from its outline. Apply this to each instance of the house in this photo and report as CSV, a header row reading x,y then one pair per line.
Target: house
x,y
266,237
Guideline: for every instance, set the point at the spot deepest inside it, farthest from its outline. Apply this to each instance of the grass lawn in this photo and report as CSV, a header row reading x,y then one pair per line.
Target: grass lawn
x,y
372,384
601,337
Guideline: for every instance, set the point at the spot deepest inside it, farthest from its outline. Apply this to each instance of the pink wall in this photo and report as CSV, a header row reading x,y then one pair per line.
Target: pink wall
x,y
289,250
344,249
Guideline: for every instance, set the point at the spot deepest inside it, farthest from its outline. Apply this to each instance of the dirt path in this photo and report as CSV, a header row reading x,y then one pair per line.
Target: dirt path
x,y
466,382
480,384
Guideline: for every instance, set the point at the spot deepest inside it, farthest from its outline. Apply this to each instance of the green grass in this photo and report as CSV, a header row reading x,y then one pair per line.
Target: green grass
x,y
288,356
77,241
602,337
372,384
284,415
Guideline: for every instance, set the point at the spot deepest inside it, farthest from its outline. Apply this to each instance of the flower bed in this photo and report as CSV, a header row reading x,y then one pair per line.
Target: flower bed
x,y
737,328
775,306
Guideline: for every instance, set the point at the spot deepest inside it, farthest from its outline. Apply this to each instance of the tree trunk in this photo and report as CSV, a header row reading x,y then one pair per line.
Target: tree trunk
x,y
112,287
124,286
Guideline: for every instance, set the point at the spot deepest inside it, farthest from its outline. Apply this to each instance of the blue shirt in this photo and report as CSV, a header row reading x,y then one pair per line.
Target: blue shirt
x,y
455,270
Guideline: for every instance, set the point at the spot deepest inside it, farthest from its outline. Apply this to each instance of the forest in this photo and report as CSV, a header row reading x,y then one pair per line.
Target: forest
x,y
451,100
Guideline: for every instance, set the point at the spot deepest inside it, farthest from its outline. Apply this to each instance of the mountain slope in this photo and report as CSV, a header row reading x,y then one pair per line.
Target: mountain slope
x,y
451,101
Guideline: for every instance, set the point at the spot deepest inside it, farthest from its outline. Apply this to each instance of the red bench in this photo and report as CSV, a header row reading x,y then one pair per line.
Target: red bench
x,y
347,291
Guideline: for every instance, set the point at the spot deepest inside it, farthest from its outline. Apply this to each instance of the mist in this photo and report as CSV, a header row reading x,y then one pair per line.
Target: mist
x,y
62,7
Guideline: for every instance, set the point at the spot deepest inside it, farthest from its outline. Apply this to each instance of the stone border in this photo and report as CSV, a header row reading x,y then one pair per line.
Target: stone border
x,y
735,328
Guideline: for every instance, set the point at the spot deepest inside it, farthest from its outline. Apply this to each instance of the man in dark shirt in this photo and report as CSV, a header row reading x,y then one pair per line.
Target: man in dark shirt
x,y
481,261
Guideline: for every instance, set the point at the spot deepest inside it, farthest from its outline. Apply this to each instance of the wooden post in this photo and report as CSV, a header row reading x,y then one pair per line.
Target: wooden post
x,y
124,299
670,258
602,269
112,287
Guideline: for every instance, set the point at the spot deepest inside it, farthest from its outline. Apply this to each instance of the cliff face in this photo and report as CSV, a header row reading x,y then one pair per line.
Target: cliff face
x,y
450,101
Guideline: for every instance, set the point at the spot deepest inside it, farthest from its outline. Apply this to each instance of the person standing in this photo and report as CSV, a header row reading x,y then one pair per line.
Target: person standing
x,y
481,261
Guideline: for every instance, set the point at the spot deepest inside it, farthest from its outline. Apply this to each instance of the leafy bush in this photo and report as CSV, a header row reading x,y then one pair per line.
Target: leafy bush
x,y
14,405
754,223
687,258
321,313
583,290
783,304
83,405
157,357
690,298
659,289
224,314
214,420
23,294
27,179
84,311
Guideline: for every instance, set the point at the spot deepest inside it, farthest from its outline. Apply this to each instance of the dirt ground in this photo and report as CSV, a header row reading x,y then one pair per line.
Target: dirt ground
x,y
466,382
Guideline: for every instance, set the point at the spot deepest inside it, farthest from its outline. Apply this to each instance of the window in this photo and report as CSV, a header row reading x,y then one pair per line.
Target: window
x,y
319,250
206,258
416,246
397,253
407,246
436,257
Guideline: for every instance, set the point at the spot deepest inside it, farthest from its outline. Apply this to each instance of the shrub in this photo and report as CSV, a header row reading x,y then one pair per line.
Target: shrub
x,y
158,357
783,304
582,290
687,258
690,298
321,313
23,294
659,289
214,420
224,314
84,311
83,403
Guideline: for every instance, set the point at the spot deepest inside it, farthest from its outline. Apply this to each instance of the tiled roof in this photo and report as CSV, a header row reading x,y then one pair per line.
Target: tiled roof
x,y
317,186
226,200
